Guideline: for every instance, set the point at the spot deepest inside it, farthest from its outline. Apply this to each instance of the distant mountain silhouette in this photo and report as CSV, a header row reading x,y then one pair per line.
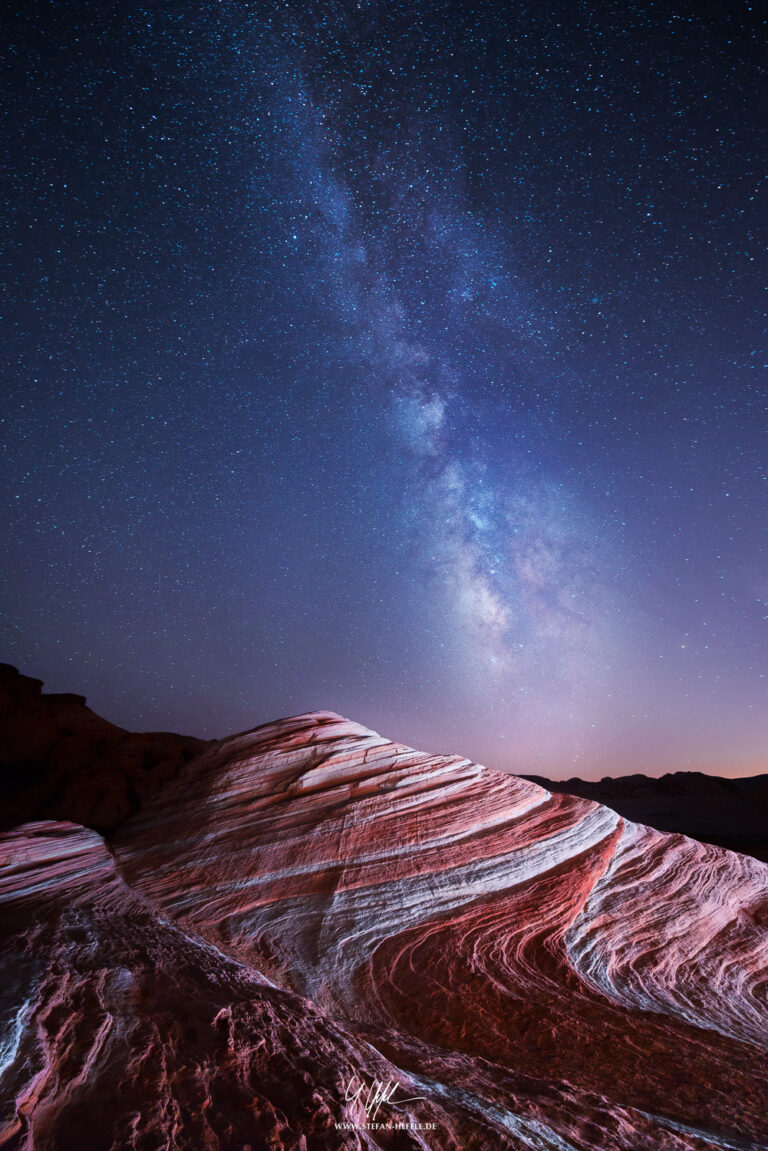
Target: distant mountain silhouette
x,y
731,813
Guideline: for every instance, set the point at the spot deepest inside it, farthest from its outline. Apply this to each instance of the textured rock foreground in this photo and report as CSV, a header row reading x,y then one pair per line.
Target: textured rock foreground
x,y
309,906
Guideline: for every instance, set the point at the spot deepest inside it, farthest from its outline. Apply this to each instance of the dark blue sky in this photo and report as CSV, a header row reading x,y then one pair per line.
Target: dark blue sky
x,y
397,359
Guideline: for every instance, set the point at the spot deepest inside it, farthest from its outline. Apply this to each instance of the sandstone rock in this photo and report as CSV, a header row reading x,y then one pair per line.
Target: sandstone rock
x,y
121,1030
576,980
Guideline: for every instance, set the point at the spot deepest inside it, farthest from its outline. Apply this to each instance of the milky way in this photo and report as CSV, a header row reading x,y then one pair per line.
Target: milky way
x,y
395,359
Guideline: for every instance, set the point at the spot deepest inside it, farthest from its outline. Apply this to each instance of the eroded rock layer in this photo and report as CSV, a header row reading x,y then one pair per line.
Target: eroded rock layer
x,y
122,1031
531,959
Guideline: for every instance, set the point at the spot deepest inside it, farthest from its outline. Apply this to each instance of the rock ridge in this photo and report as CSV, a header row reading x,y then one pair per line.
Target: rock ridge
x,y
308,904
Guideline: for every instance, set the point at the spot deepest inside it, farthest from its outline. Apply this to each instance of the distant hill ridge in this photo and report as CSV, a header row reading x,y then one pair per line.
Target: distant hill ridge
x,y
59,760
730,813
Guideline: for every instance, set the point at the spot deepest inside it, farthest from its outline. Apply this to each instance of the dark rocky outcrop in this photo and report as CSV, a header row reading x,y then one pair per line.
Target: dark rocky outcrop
x,y
59,760
730,813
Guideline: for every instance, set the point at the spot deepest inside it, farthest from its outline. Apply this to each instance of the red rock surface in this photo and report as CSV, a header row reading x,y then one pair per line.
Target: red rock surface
x,y
308,904
120,1030
531,959
59,760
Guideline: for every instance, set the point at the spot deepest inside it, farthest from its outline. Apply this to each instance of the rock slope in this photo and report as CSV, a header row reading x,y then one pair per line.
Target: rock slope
x,y
123,1031
526,950
309,909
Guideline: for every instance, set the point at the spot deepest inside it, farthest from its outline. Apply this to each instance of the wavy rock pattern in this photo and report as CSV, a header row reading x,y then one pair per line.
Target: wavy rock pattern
x,y
120,1031
532,960
310,904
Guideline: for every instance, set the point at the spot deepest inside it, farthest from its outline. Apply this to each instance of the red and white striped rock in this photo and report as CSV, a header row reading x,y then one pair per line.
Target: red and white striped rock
x,y
121,1031
578,981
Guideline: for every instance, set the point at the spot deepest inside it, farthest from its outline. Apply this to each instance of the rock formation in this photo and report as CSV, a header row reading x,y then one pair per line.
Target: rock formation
x,y
59,760
309,906
121,1030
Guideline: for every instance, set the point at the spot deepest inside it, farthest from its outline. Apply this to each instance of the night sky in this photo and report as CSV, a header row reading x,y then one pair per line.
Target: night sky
x,y
400,359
